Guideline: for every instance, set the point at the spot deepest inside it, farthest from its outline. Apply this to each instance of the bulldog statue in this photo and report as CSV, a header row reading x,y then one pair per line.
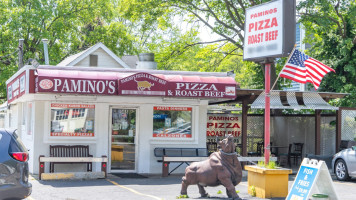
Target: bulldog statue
x,y
222,168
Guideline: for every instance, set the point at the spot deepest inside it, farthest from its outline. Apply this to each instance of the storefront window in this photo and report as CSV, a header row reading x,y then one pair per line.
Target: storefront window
x,y
172,122
72,120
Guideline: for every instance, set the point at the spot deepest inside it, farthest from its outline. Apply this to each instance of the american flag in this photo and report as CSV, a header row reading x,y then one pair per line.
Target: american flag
x,y
302,69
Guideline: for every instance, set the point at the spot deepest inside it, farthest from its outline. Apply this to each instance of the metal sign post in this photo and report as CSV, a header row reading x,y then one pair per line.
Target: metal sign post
x,y
267,110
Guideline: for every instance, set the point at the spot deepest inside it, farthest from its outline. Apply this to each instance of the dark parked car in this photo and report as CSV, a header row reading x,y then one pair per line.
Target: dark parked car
x,y
13,167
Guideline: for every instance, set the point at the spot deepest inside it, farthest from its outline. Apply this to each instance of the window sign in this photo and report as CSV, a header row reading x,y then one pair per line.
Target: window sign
x,y
9,92
22,83
167,122
72,120
172,122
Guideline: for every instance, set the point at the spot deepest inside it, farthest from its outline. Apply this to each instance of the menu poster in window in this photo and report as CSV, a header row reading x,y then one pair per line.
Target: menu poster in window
x,y
172,122
72,120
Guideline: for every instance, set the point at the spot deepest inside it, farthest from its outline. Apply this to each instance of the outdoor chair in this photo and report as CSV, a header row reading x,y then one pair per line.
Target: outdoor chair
x,y
259,151
212,147
297,152
285,158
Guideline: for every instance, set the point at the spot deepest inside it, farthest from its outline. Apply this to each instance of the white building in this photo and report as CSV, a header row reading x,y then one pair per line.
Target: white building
x,y
93,98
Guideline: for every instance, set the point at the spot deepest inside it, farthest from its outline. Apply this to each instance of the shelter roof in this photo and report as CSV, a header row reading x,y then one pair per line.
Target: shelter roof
x,y
250,95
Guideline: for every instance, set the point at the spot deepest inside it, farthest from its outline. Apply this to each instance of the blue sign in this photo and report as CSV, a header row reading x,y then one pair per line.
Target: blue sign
x,y
303,183
159,116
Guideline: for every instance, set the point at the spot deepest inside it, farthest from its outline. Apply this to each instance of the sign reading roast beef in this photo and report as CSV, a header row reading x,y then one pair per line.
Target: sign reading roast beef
x,y
141,84
207,90
147,84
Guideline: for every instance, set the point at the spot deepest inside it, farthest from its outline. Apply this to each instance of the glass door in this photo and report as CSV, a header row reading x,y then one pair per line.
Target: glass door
x,y
123,132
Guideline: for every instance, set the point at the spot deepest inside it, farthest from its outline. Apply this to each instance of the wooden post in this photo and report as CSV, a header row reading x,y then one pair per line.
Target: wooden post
x,y
165,168
244,128
104,167
41,167
317,131
338,129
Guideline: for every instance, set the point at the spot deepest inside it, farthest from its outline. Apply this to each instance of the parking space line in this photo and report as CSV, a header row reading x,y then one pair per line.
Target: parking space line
x,y
133,191
342,183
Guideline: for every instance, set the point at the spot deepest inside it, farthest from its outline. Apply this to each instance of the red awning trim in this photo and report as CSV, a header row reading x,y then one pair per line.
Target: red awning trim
x,y
119,83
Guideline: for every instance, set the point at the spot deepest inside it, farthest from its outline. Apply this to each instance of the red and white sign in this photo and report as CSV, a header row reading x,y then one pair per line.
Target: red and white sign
x,y
17,87
181,128
61,105
172,108
63,124
269,30
69,134
220,125
76,85
150,85
142,84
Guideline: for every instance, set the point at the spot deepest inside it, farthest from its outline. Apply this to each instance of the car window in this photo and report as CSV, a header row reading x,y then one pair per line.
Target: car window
x,y
16,144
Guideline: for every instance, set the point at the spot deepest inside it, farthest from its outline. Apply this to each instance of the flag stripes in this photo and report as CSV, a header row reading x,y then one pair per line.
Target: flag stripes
x,y
302,69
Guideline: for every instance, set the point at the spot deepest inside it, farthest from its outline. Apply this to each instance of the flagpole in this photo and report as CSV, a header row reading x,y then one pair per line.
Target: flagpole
x,y
295,45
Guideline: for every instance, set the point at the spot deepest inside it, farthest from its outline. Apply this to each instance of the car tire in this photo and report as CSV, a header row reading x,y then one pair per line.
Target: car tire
x,y
341,170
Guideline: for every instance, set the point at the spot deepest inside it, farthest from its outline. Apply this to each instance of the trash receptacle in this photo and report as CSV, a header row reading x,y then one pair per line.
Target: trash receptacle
x,y
320,197
117,153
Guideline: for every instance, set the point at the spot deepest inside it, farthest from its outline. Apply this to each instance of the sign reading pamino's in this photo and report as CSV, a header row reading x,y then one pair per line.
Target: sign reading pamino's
x,y
269,30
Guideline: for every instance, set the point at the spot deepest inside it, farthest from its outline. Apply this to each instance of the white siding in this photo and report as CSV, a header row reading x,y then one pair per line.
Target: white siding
x,y
104,60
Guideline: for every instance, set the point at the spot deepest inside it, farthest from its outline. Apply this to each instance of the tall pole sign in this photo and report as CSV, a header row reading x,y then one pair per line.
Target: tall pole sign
x,y
269,30
269,33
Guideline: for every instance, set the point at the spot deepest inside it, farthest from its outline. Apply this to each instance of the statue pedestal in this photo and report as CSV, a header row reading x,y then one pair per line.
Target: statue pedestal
x,y
268,183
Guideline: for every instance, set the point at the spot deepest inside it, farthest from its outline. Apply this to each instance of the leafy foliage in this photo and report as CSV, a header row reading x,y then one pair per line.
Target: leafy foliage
x,y
331,26
70,27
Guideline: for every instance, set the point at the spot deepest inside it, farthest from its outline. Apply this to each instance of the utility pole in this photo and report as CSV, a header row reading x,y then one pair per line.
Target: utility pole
x,y
20,53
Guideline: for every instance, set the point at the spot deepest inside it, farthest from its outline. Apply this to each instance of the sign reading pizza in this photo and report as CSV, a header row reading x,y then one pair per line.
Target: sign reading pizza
x,y
150,85
221,125
140,84
269,30
206,90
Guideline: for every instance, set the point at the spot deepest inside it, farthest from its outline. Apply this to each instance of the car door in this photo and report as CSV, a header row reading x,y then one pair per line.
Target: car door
x,y
351,158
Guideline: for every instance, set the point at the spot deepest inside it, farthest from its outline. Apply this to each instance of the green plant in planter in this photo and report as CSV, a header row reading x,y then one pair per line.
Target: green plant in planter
x,y
271,164
253,189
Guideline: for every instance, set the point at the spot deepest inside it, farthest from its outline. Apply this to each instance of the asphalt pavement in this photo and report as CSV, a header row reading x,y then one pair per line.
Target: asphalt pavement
x,y
153,187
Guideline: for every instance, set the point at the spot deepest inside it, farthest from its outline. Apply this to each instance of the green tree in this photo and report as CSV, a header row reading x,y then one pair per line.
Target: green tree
x,y
224,18
70,26
331,28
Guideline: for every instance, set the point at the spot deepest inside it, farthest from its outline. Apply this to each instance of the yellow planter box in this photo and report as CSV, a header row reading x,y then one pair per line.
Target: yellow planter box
x,y
269,183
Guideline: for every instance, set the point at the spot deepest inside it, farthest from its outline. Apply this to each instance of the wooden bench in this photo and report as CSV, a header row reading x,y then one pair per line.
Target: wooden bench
x,y
180,155
70,154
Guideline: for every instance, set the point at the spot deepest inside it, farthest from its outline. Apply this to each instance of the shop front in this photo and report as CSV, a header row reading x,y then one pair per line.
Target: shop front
x,y
120,113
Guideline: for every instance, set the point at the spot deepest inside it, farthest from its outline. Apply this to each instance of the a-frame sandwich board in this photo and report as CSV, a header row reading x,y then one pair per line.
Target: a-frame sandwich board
x,y
313,177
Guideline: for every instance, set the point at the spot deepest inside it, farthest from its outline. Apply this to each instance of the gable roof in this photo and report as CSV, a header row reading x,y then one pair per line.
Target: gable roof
x,y
76,58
